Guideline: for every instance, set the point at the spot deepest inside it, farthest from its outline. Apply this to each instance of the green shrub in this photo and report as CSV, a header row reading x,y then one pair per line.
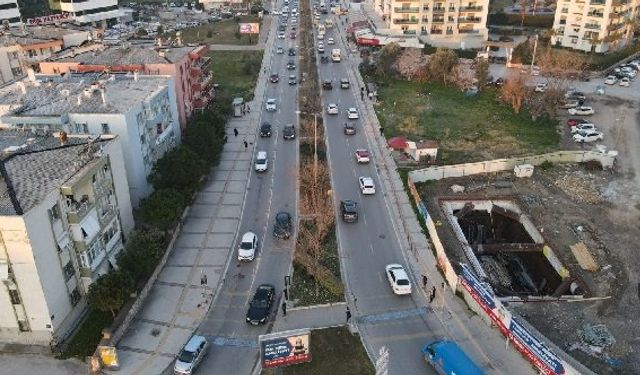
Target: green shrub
x,y
180,169
110,291
141,254
163,208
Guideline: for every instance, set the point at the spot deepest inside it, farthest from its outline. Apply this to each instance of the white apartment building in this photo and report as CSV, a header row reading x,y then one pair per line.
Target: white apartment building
x,y
64,213
594,25
453,24
141,110
9,13
91,11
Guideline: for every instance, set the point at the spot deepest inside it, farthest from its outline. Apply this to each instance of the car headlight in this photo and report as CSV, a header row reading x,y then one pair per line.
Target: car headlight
x,y
263,320
248,319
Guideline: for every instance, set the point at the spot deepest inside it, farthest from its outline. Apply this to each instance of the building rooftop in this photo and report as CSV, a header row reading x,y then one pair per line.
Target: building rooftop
x,y
39,165
54,95
128,54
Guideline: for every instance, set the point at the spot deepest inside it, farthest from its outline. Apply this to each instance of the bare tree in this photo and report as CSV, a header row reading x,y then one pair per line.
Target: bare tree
x,y
440,65
387,58
546,102
514,92
482,73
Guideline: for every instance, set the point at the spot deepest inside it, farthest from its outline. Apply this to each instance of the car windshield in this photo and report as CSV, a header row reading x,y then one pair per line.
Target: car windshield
x,y
282,219
246,245
259,303
186,356
403,282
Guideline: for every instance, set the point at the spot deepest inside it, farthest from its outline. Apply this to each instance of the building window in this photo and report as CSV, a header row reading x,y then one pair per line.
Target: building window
x,y
105,129
14,296
69,271
85,128
54,213
158,128
75,297
16,71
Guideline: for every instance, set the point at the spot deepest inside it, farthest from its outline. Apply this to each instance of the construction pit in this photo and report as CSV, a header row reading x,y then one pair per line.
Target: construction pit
x,y
558,248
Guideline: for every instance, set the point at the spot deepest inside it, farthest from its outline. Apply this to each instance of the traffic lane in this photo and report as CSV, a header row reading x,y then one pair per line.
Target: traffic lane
x,y
240,359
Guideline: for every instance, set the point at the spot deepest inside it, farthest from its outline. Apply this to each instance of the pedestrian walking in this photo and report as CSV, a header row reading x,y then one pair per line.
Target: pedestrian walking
x,y
224,141
424,281
442,285
244,111
361,95
286,294
370,96
348,312
431,297
433,292
381,130
246,145
248,109
284,308
235,131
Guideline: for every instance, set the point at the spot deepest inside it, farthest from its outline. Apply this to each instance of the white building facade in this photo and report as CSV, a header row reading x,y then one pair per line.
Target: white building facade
x,y
58,233
453,24
594,25
9,13
91,11
141,110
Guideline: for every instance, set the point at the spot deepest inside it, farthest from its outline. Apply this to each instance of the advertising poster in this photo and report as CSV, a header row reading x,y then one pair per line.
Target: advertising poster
x,y
285,348
249,28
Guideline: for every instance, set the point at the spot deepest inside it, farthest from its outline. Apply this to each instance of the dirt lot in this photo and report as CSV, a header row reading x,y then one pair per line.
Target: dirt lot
x,y
569,204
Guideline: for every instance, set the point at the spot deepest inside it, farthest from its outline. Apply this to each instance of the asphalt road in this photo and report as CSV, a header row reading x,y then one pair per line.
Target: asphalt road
x,y
268,193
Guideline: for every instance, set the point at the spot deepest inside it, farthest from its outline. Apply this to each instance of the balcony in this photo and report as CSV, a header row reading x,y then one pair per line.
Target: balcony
x,y
435,31
596,14
439,10
405,21
564,10
615,26
425,8
471,8
106,214
592,26
469,20
597,2
438,20
409,32
78,210
468,31
425,19
407,10
449,32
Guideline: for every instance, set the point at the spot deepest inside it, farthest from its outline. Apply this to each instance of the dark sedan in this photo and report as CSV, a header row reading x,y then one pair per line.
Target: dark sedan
x,y
260,305
289,132
282,226
274,78
292,51
265,129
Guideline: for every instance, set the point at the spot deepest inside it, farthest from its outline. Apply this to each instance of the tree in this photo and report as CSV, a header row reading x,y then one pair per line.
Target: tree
x,y
142,32
180,169
514,91
159,30
388,56
546,102
163,208
141,254
560,64
110,291
441,65
205,135
482,73
522,53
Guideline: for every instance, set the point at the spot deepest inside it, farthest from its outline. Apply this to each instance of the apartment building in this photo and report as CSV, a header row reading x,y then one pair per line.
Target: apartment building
x,y
141,110
9,13
95,12
188,66
453,24
64,212
22,49
594,25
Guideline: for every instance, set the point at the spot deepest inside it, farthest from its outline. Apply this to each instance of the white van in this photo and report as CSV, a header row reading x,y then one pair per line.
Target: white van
x,y
262,161
191,356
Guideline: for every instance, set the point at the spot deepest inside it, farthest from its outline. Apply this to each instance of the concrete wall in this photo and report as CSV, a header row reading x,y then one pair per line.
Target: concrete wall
x,y
499,165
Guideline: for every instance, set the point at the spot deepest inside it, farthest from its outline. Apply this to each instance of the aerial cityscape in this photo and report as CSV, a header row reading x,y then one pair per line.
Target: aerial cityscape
x,y
319,187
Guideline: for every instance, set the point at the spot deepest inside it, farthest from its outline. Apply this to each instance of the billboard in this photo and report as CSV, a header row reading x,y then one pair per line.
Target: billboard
x,y
284,348
50,19
250,28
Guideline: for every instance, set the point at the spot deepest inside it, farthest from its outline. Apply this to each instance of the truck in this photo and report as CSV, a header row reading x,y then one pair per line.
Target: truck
x,y
335,55
447,358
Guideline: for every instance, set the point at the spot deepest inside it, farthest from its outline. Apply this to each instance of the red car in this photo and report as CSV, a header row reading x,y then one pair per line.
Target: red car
x,y
576,121
292,35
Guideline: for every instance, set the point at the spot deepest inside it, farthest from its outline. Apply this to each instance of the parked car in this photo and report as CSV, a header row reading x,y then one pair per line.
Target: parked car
x,y
271,105
349,128
352,114
327,84
282,225
191,355
349,211
583,128
274,78
625,82
248,247
398,279
611,80
260,305
581,111
332,109
265,129
576,121
289,131
587,136
569,103
293,80
362,156
367,187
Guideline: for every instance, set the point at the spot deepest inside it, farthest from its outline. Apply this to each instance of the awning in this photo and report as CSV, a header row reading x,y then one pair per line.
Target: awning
x,y
397,143
64,241
90,227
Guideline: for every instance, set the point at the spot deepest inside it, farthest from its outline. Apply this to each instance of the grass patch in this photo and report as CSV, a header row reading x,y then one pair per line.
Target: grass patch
x,y
333,351
467,128
235,72
83,343
221,32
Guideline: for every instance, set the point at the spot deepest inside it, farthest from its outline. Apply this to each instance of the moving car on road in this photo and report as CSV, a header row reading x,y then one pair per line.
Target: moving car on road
x,y
291,65
260,305
280,50
367,187
331,42
327,84
344,83
398,279
282,226
293,80
447,358
271,105
362,156
349,128
352,114
265,129
262,161
292,51
248,247
581,111
274,78
332,109
289,132
349,211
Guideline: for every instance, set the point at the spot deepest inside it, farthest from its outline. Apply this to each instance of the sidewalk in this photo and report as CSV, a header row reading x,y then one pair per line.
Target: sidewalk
x,y
178,303
320,316
40,364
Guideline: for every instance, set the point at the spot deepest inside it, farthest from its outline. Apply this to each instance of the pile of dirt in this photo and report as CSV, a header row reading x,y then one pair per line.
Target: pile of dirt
x,y
579,187
410,63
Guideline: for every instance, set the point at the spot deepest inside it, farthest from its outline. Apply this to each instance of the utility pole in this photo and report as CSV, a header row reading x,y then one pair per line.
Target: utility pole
x,y
535,48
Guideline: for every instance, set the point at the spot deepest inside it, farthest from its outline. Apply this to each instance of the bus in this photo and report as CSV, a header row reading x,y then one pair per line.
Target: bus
x,y
447,358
